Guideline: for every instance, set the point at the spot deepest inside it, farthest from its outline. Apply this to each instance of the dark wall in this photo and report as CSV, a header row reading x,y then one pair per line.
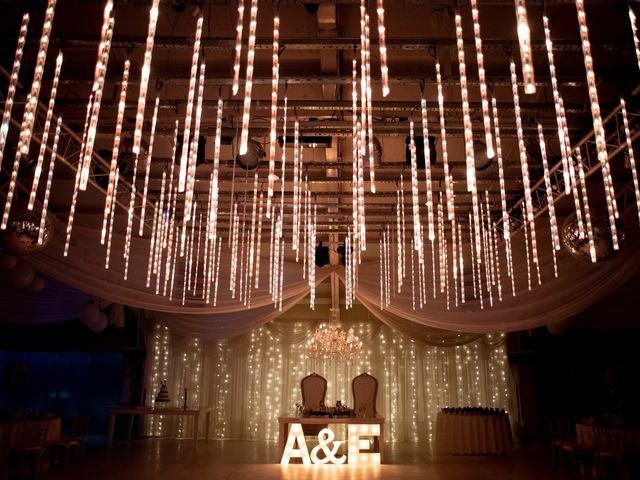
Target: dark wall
x,y
66,369
582,373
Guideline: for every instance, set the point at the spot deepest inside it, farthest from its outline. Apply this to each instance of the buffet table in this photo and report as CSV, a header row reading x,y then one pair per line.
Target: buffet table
x,y
473,434
285,421
133,411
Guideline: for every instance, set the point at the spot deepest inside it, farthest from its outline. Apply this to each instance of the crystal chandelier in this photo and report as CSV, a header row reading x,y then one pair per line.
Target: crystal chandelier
x,y
333,343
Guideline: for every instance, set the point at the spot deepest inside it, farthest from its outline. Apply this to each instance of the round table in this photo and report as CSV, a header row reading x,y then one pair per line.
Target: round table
x,y
473,434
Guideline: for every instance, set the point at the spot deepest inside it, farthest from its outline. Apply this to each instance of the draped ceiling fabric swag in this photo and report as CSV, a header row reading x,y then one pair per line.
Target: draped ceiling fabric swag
x,y
252,379
580,284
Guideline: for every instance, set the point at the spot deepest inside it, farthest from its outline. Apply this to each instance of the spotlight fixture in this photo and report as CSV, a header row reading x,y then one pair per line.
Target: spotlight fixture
x,y
255,154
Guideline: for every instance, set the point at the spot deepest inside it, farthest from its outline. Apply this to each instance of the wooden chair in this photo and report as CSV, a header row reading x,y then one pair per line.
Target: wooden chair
x,y
314,390
365,390
72,441
555,440
569,447
31,447
608,455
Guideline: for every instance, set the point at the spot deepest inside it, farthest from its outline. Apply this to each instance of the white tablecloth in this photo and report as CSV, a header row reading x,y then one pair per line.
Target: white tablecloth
x,y
461,434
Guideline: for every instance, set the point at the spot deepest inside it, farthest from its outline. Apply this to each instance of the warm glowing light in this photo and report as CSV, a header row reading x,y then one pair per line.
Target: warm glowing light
x,y
97,90
526,54
248,86
145,190
550,199
275,76
632,158
384,69
186,136
634,29
238,48
47,192
108,204
13,82
601,142
427,169
45,132
448,181
144,76
483,81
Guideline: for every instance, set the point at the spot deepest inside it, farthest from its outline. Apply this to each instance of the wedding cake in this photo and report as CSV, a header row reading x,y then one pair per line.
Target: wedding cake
x,y
163,394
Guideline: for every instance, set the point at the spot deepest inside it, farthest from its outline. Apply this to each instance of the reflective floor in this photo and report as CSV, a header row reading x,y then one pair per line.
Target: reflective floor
x,y
154,459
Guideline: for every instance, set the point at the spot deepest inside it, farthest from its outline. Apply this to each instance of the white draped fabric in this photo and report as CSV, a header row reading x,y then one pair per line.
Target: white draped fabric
x,y
253,378
580,284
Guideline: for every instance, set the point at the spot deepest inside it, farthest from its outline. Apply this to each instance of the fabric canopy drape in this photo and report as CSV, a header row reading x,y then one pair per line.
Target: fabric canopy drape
x,y
579,285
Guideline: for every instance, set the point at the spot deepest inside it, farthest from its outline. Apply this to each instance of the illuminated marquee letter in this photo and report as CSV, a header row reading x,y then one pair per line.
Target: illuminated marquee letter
x,y
356,444
295,434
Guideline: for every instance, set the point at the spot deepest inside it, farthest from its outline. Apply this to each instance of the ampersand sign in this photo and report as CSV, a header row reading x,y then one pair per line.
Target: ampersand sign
x,y
326,437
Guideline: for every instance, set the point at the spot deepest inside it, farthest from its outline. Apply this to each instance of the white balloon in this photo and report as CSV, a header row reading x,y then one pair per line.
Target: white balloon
x,y
21,275
100,324
7,260
89,314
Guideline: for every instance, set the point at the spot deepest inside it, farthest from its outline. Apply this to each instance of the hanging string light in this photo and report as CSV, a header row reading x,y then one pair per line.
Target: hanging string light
x,y
427,169
601,143
216,166
248,86
384,69
556,102
238,49
555,237
45,132
585,201
417,244
13,83
468,133
369,97
184,157
482,77
632,159
111,219
97,90
524,165
31,105
145,189
526,244
503,195
634,30
443,138
108,204
144,76
74,197
29,114
47,191
526,54
296,187
259,242
275,78
193,149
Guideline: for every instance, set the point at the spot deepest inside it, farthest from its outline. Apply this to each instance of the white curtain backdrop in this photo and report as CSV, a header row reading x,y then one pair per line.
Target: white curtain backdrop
x,y
252,379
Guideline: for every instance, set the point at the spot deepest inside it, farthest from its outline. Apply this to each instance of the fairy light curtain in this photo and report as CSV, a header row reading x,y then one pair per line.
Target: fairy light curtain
x,y
252,379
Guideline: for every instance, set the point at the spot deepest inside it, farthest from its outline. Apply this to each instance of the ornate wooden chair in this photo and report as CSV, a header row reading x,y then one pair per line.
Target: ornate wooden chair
x,y
314,390
365,391
608,455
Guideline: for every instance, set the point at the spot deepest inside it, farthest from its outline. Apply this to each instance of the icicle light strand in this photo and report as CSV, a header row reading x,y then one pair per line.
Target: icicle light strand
x,y
524,38
483,81
144,76
384,69
45,132
248,86
275,76
238,49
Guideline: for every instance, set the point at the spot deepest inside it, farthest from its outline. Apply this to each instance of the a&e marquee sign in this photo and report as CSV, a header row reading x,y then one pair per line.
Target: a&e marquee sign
x,y
329,447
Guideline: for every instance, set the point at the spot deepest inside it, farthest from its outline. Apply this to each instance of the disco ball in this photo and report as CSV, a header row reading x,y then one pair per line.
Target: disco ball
x,y
21,235
578,246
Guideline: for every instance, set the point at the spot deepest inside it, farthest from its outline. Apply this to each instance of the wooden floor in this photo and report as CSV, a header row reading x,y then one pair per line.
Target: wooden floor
x,y
168,459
